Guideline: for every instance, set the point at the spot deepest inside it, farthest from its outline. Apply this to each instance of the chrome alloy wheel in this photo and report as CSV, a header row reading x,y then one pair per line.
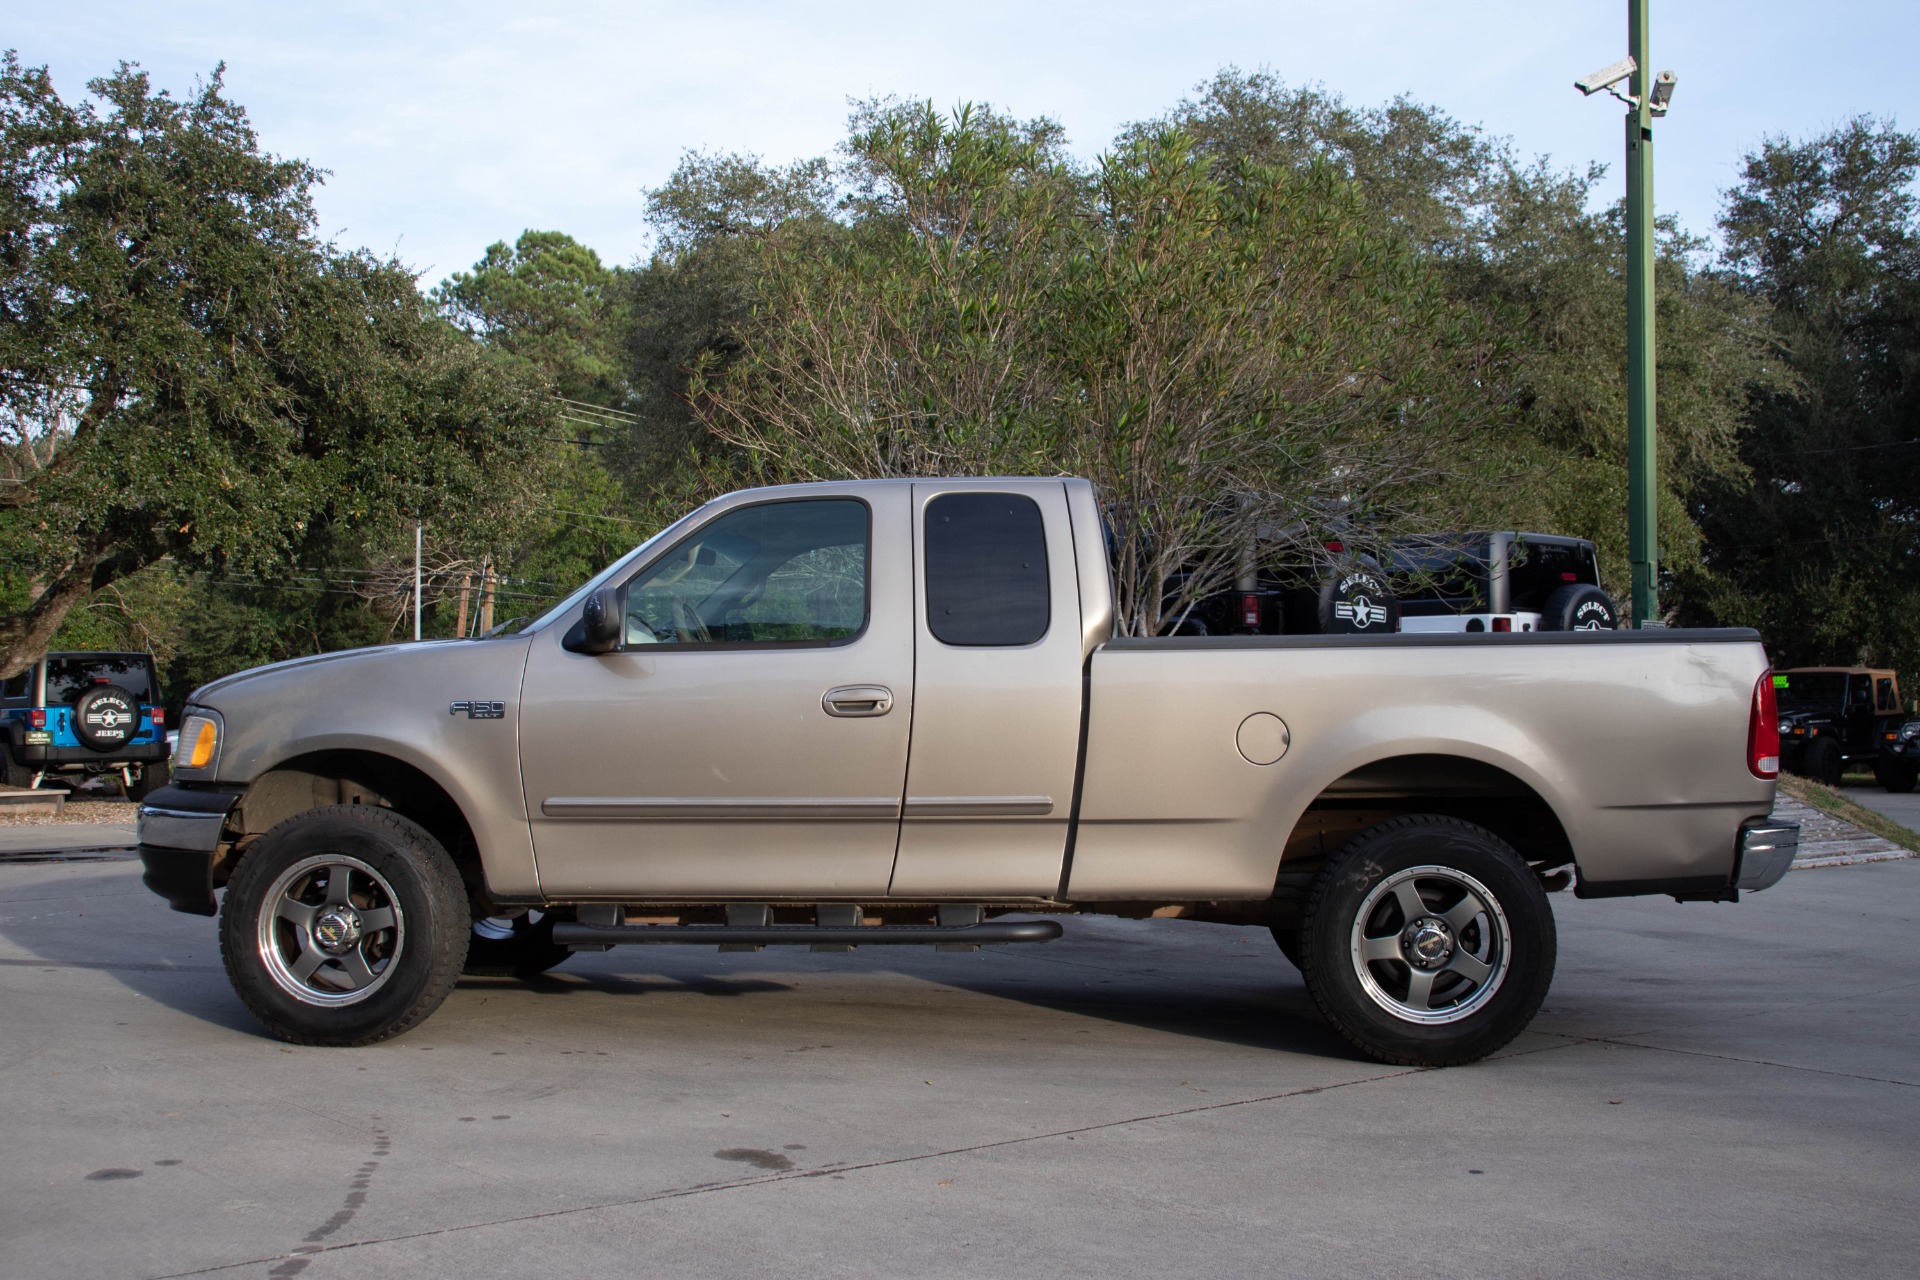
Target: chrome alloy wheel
x,y
330,930
1431,944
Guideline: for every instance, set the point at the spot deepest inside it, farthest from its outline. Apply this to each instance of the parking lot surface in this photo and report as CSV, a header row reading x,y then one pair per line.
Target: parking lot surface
x,y
1711,1090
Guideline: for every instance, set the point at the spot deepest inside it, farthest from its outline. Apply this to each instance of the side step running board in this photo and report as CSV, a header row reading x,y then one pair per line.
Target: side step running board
x,y
569,934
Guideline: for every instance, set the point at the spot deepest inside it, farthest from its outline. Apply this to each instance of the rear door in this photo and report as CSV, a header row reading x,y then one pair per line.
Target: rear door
x,y
997,690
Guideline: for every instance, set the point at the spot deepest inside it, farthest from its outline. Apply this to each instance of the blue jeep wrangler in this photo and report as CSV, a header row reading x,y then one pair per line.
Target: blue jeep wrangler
x,y
72,716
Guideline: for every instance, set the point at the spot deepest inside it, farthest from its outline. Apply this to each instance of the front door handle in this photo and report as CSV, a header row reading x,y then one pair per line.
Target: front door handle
x,y
858,700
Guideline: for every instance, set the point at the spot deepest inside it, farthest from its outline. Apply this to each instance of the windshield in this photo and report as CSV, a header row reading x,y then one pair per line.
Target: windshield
x,y
1810,690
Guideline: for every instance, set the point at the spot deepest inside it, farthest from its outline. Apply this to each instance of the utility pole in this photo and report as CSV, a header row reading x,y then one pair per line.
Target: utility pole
x,y
1643,533
416,580
1647,97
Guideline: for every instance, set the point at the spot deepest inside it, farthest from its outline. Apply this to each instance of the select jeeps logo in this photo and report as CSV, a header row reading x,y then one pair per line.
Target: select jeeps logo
x,y
108,718
1592,615
478,710
1359,607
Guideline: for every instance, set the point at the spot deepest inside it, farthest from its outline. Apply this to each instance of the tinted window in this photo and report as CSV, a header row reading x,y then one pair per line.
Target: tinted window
x,y
1883,691
780,573
1535,570
69,677
1432,578
986,569
1810,690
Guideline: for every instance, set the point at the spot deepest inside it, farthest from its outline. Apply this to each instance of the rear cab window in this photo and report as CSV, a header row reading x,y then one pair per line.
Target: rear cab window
x,y
986,558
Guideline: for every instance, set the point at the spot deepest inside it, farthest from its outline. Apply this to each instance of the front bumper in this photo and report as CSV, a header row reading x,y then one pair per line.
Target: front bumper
x,y
180,831
1766,850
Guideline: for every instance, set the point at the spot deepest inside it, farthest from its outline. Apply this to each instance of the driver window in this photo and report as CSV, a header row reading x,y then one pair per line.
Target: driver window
x,y
779,573
1883,687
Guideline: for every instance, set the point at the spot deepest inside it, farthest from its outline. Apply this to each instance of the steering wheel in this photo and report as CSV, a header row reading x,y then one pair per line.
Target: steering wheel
x,y
687,624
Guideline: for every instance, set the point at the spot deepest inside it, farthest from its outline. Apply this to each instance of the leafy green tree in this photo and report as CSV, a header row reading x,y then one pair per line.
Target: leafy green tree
x,y
1822,549
1228,351
191,373
1519,242
547,303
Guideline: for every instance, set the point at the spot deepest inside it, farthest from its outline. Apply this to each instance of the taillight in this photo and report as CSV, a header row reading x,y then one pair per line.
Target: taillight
x,y
1503,624
159,717
1763,730
37,718
1250,612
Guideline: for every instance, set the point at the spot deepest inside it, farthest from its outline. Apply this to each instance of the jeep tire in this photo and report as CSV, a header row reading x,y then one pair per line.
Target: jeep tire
x,y
1355,600
1579,607
1821,761
344,926
1427,941
106,718
1895,775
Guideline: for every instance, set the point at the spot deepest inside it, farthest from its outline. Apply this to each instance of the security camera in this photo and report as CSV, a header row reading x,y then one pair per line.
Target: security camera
x,y
1607,77
1662,92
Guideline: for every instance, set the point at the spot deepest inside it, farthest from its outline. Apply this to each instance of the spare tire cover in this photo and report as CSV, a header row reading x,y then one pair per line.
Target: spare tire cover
x,y
106,717
1356,601
1579,607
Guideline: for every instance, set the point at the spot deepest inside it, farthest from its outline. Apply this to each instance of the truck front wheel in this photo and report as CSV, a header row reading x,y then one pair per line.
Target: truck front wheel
x,y
344,926
1427,941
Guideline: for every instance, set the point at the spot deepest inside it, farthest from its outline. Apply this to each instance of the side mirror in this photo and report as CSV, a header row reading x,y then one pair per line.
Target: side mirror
x,y
600,626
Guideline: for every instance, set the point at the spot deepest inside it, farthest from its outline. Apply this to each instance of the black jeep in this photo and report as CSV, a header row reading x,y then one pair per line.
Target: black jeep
x,y
72,716
1831,717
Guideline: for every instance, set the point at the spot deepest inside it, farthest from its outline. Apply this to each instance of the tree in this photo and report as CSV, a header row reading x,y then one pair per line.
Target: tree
x,y
1228,351
546,302
1519,243
191,373
1821,549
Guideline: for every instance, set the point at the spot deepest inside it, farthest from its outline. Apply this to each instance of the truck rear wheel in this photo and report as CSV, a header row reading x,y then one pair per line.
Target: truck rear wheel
x,y
1427,941
344,926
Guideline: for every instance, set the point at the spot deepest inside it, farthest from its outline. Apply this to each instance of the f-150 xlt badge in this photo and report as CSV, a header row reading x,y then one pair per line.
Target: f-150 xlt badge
x,y
479,710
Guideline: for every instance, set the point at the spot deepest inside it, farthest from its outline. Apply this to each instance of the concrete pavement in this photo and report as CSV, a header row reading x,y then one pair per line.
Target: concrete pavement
x,y
1712,1090
1903,809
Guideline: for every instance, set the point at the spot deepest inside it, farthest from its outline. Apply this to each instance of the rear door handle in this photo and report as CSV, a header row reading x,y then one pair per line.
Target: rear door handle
x,y
858,700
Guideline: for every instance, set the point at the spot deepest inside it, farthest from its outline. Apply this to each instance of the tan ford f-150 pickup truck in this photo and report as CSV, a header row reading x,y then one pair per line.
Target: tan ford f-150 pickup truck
x,y
896,712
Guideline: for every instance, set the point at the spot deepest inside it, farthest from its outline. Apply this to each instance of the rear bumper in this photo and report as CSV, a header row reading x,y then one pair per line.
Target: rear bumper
x,y
1766,851
179,834
1762,852
47,756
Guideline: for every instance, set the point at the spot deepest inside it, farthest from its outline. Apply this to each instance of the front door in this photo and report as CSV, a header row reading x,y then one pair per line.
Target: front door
x,y
750,737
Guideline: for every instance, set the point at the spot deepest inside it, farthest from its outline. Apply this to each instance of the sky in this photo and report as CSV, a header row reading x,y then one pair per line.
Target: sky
x,y
446,127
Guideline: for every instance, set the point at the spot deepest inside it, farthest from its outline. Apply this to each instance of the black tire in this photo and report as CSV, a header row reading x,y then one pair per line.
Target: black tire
x,y
369,989
531,950
1821,761
1288,940
1486,925
106,717
1895,775
152,777
17,774
1356,600
1579,607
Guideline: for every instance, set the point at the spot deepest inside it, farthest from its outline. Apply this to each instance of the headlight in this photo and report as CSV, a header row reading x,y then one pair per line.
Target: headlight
x,y
1910,731
199,743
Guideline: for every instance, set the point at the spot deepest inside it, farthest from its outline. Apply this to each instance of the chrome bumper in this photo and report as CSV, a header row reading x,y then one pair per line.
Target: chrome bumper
x,y
179,833
1766,851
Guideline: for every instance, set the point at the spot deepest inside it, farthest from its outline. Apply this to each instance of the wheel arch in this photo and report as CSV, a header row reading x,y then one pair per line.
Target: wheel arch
x,y
1459,786
317,779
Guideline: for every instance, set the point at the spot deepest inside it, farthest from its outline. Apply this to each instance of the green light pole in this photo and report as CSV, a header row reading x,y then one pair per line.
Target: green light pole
x,y
1646,97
